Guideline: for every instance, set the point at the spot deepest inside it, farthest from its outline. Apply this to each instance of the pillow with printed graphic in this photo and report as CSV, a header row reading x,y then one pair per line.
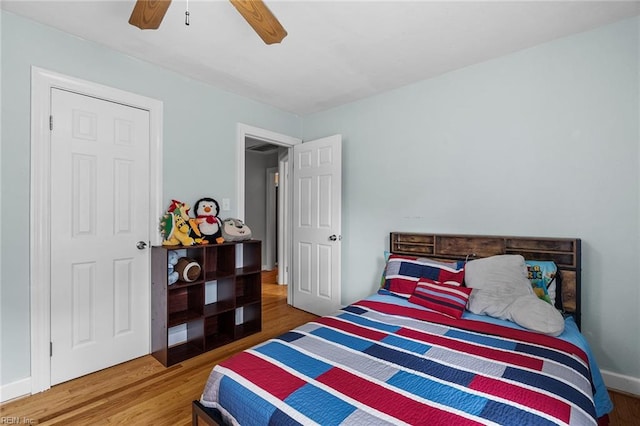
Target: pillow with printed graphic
x,y
402,273
447,299
542,274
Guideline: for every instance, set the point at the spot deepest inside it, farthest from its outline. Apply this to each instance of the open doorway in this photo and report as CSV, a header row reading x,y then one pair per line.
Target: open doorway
x,y
272,183
259,151
261,196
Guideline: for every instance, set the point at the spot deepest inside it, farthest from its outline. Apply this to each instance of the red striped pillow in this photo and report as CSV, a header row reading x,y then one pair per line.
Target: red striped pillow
x,y
402,273
447,299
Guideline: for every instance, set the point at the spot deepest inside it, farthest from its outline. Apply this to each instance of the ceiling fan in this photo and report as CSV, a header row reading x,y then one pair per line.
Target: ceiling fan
x,y
148,14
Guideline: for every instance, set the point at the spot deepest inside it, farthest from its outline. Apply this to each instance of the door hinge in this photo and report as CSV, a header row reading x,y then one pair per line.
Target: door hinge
x,y
51,122
50,349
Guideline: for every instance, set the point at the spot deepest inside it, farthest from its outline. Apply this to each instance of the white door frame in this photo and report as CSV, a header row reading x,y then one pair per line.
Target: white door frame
x,y
284,219
42,81
245,131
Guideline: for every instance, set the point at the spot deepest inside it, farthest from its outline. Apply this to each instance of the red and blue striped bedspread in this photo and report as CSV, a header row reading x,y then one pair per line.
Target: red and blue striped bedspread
x,y
381,363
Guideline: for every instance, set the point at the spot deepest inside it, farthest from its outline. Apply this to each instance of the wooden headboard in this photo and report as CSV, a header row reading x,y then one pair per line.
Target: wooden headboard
x,y
565,252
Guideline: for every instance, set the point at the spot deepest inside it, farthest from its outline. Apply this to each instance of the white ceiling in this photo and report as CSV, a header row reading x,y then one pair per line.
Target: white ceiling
x,y
336,51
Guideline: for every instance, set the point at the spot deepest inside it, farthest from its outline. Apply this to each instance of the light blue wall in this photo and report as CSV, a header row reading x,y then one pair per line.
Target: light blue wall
x,y
543,142
199,148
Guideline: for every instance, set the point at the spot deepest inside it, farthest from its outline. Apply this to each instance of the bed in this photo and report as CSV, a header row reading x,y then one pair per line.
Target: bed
x,y
413,353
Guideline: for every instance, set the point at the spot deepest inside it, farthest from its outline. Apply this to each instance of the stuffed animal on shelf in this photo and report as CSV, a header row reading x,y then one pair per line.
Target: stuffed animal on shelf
x,y
235,230
175,230
178,207
206,211
172,274
176,226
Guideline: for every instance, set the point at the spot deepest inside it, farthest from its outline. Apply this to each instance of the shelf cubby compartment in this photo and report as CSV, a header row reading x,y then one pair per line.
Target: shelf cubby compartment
x,y
248,288
184,303
252,320
192,346
219,329
417,245
251,257
219,295
219,261
195,254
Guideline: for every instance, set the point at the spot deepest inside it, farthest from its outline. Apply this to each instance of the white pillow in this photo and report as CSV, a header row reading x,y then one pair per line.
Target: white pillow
x,y
494,302
526,310
501,289
537,315
506,271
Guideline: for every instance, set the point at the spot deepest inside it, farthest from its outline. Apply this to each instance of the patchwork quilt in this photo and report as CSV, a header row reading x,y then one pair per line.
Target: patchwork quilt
x,y
381,363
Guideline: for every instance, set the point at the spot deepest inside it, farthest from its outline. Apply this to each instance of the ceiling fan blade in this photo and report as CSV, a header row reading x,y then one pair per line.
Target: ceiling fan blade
x,y
148,14
258,15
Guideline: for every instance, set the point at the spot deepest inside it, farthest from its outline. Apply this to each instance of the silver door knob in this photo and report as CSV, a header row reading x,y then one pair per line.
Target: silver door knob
x,y
334,237
141,245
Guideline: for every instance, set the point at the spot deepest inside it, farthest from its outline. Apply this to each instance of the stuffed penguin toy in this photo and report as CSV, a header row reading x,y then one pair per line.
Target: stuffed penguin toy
x,y
206,210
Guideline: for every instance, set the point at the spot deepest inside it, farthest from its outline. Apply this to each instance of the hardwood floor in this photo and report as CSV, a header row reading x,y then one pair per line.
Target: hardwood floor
x,y
143,392
626,409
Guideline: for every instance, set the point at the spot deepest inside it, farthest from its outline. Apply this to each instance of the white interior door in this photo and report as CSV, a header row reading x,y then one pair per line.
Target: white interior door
x,y
317,209
99,214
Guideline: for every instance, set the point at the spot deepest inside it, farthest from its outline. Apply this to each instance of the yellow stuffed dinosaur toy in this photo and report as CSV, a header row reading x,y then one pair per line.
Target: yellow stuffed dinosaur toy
x,y
176,226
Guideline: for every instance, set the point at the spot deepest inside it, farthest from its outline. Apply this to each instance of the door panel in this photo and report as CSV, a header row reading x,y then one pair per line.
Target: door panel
x,y
304,268
82,304
124,287
324,202
99,211
123,196
317,180
304,202
84,187
324,273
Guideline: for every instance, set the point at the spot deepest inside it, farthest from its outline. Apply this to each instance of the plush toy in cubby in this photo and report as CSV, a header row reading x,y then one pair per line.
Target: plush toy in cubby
x,y
172,274
188,269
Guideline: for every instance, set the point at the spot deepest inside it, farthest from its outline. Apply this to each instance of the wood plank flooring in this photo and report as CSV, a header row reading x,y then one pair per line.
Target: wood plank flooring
x,y
626,409
143,392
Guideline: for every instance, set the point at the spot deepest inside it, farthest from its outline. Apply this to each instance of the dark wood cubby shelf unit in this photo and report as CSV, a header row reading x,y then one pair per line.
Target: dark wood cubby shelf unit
x,y
205,309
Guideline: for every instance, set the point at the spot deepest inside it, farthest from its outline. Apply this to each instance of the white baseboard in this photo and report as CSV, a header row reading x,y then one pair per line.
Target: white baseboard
x,y
15,389
621,382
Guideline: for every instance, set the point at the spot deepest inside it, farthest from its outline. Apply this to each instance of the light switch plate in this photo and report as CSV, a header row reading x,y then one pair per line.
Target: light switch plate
x,y
226,204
